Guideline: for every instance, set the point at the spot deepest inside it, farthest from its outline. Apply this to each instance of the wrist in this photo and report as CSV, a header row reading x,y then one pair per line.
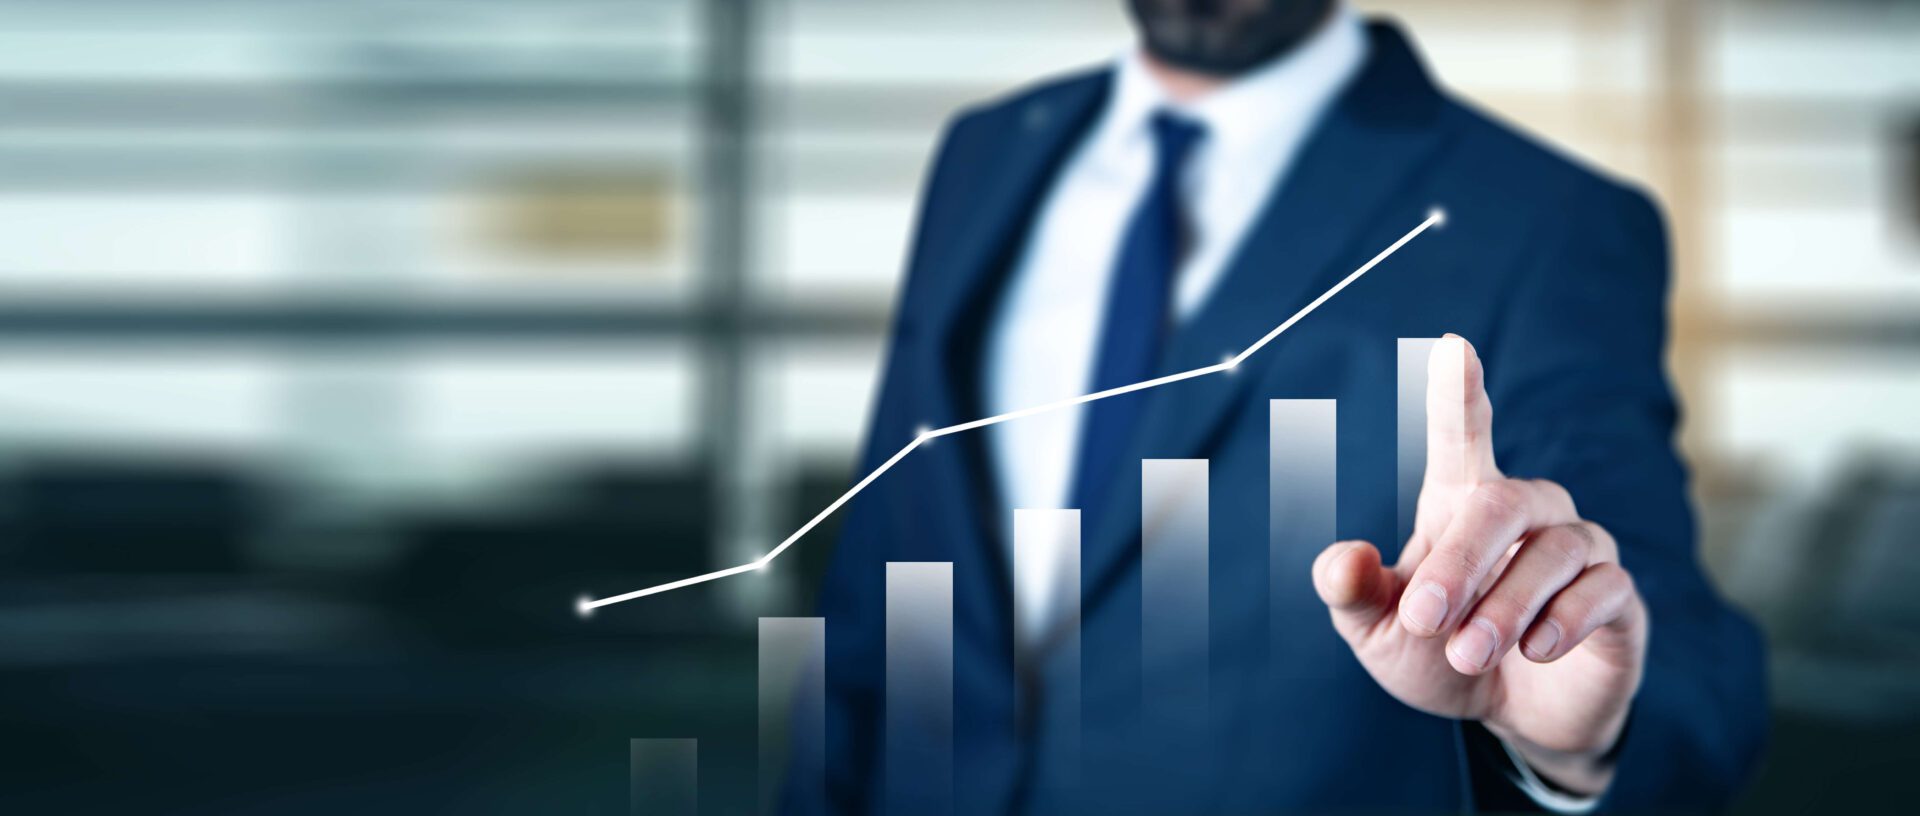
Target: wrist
x,y
1582,773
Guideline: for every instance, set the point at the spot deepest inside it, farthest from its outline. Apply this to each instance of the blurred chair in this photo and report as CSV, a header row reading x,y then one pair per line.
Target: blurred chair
x,y
137,518
477,577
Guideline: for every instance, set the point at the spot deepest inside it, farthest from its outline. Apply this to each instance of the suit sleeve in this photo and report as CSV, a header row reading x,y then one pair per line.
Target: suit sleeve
x,y
1581,397
852,597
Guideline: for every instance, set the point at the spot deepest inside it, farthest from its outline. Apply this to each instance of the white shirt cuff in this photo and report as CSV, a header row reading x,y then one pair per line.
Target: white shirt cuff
x,y
1543,794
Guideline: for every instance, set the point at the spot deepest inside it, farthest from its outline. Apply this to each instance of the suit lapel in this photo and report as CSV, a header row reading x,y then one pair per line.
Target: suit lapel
x,y
1342,201
965,280
1047,127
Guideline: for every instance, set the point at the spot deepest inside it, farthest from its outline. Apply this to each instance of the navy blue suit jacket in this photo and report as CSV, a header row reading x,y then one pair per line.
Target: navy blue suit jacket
x,y
1556,274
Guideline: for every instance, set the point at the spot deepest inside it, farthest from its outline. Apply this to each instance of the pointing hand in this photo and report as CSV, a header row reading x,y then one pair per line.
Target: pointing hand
x,y
1505,607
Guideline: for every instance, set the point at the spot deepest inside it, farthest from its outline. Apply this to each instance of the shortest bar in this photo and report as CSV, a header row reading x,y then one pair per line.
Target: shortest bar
x,y
663,777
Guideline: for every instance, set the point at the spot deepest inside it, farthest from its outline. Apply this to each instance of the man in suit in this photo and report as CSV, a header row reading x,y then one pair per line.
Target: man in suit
x,y
1540,635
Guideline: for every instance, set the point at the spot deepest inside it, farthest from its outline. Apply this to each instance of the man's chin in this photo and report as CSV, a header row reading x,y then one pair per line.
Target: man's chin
x,y
1209,63
1224,42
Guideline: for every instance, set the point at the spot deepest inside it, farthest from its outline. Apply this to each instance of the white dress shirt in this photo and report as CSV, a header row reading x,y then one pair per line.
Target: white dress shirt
x,y
1042,341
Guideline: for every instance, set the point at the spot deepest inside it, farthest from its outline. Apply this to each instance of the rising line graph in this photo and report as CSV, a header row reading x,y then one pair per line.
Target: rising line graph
x,y
585,605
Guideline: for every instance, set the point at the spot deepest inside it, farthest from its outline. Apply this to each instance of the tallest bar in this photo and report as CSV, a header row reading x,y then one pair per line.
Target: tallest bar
x,y
1412,427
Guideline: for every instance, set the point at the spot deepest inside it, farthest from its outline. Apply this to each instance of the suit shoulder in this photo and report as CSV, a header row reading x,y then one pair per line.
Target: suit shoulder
x,y
1533,218
977,133
1522,167
1007,110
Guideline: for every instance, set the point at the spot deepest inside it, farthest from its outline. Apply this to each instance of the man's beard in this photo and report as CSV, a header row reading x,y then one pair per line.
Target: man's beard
x,y
1224,37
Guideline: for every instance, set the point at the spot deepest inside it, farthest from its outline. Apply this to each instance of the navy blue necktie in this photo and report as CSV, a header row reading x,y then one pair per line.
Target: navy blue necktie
x,y
1137,314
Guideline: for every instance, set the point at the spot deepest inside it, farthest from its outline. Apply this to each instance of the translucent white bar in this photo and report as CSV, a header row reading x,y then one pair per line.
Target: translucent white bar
x,y
1301,470
1046,564
1174,641
793,714
1414,352
663,777
918,732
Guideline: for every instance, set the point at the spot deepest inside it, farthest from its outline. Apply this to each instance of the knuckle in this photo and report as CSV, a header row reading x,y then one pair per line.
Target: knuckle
x,y
1625,586
1500,504
1455,565
1598,591
1572,543
1588,531
1603,548
1503,495
1611,577
1554,491
1572,610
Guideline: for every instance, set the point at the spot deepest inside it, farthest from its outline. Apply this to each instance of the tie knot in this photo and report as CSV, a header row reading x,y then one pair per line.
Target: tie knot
x,y
1173,138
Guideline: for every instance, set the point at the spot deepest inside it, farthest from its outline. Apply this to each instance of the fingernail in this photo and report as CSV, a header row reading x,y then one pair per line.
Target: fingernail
x,y
1475,644
1541,642
1427,608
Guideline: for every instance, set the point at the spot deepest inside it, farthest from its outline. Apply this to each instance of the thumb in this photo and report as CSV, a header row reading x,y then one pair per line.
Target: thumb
x,y
1358,590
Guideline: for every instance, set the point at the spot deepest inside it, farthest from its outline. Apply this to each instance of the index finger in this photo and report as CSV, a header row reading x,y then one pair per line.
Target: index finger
x,y
1459,417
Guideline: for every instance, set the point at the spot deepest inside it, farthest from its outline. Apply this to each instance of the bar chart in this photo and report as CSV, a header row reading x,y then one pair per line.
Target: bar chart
x,y
918,723
917,742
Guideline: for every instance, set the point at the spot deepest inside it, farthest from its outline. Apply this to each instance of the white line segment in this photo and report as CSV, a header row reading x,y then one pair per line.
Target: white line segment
x,y
1435,217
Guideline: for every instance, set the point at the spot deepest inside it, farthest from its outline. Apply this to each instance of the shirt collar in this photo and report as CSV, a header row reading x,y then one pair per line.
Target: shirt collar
x,y
1252,108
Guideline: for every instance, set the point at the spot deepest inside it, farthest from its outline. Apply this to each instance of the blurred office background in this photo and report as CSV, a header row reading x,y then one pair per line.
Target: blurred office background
x,y
344,343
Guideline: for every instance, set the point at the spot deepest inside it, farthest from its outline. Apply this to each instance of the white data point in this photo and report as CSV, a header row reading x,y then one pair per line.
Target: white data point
x,y
583,606
1439,216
